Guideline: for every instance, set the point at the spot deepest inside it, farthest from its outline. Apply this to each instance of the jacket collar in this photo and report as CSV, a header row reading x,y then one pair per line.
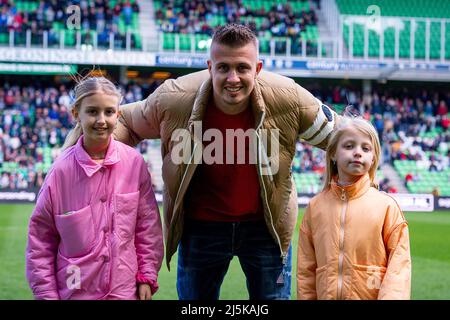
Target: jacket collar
x,y
257,103
201,101
352,191
90,166
206,91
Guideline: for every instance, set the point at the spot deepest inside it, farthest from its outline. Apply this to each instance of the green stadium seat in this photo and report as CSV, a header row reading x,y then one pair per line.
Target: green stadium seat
x,y
264,45
406,9
138,40
201,41
70,38
185,42
4,38
214,20
168,41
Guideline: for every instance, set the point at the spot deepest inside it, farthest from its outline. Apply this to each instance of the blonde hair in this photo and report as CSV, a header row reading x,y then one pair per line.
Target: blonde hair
x,y
87,87
363,126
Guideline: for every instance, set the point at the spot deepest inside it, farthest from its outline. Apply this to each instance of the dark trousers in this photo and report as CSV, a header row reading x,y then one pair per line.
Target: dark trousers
x,y
205,253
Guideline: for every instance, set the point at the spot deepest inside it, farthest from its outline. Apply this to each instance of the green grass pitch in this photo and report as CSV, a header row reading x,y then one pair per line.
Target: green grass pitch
x,y
430,250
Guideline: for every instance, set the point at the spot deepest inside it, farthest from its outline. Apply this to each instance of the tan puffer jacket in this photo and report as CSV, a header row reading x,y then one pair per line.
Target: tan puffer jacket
x,y
353,244
277,102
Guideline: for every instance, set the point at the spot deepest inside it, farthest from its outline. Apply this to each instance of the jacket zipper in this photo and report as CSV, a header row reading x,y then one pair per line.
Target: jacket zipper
x,y
341,245
283,254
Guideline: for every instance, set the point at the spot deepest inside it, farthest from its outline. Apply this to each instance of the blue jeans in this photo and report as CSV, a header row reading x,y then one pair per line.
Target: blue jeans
x,y
205,253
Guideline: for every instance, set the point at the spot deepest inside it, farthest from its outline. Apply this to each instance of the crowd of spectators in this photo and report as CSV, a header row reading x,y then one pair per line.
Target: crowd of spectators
x,y
196,17
311,159
96,16
99,18
412,125
34,118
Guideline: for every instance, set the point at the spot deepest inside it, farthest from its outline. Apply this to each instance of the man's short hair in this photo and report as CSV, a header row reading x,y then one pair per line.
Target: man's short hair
x,y
234,35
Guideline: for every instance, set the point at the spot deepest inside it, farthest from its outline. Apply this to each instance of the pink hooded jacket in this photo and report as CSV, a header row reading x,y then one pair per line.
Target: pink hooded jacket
x,y
96,230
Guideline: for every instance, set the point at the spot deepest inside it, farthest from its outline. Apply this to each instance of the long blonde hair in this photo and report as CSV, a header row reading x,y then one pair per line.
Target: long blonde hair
x,y
85,88
362,126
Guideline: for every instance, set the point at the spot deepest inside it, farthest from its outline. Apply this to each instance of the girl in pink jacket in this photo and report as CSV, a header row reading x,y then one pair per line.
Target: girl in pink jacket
x,y
95,232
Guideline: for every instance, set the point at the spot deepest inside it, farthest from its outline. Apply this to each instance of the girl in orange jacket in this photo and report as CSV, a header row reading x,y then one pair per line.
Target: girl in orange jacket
x,y
353,240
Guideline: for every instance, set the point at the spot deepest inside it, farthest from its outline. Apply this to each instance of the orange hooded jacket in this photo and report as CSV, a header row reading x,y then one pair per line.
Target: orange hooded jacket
x,y
353,244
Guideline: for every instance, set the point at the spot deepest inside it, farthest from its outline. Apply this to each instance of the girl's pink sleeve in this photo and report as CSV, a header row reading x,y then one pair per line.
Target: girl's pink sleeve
x,y
149,237
42,246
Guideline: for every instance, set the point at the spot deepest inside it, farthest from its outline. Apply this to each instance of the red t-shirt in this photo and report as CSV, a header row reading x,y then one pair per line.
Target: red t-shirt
x,y
225,192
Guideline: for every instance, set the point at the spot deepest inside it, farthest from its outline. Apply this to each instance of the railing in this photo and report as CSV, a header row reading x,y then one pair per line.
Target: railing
x,y
395,38
387,39
73,39
179,43
274,46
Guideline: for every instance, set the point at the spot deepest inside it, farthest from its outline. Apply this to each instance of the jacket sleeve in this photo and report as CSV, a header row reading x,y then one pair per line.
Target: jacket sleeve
x,y
139,120
396,284
148,238
317,120
42,246
306,261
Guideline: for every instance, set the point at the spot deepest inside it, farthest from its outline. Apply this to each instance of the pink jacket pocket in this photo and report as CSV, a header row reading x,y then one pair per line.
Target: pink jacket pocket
x,y
126,207
76,231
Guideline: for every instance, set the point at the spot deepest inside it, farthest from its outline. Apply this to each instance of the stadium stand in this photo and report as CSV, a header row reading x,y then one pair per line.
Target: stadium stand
x,y
412,123
34,121
413,128
98,20
191,23
416,20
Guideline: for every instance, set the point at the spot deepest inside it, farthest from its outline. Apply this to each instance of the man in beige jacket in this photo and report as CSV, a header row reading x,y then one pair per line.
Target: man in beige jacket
x,y
223,199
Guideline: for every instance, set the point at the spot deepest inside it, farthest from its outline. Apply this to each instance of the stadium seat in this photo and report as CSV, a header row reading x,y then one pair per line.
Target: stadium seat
x,y
403,11
214,19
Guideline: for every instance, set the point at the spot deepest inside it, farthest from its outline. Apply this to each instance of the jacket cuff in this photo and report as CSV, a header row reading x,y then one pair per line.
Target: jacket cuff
x,y
46,295
140,278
